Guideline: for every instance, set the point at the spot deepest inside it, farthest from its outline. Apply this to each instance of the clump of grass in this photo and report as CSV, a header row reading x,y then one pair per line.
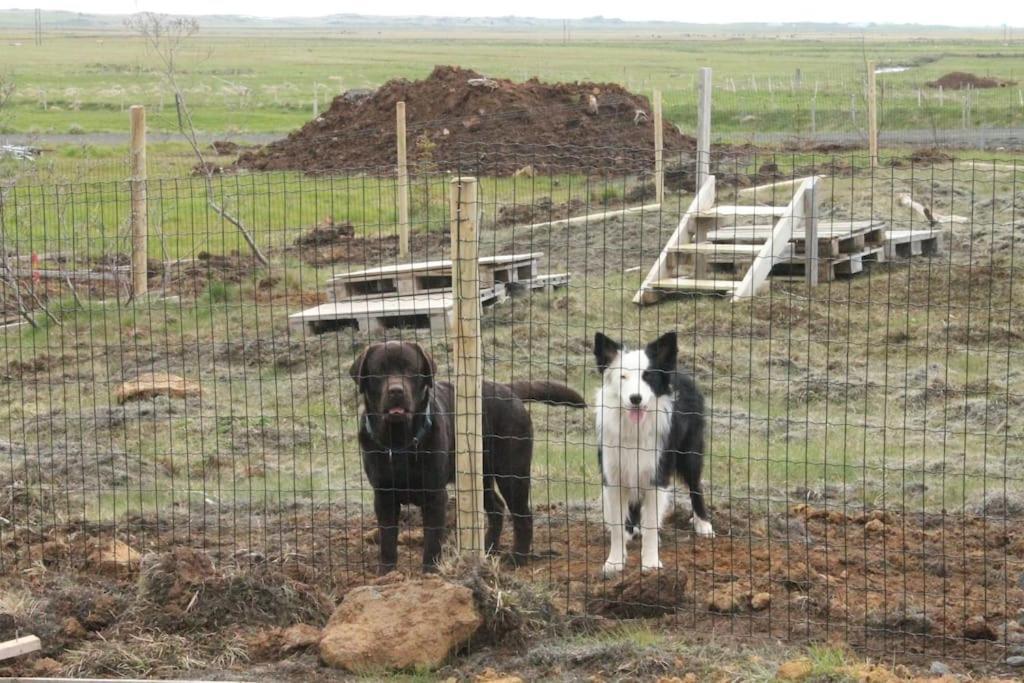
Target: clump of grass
x,y
151,654
512,609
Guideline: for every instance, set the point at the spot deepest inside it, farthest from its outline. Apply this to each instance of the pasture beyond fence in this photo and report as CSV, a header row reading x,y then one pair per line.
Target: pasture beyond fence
x,y
863,426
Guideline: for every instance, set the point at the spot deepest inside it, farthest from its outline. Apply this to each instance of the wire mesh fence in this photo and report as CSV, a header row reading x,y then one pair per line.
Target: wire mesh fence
x,y
860,439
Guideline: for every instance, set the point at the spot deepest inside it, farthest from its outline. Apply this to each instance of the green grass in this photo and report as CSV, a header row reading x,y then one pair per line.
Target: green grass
x,y
88,80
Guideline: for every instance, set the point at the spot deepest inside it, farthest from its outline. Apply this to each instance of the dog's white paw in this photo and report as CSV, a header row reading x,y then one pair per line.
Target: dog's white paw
x,y
649,567
702,527
611,569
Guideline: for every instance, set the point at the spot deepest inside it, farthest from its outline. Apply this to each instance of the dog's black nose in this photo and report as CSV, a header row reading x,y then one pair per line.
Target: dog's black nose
x,y
635,399
396,392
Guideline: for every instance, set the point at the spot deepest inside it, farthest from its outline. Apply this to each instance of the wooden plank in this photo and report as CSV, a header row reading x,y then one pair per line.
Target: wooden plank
x,y
467,366
403,183
19,646
743,211
704,199
687,284
437,264
811,233
590,217
703,170
773,186
139,215
659,156
715,249
776,245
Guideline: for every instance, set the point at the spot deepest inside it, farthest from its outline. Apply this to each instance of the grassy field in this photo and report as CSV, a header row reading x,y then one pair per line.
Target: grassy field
x,y
83,82
895,386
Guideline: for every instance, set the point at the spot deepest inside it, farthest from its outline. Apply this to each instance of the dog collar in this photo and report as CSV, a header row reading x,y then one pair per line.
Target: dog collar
x,y
421,433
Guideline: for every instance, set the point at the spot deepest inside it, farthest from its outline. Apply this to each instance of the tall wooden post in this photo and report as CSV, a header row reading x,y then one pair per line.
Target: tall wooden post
x,y
403,184
139,217
704,127
872,116
659,150
811,233
468,377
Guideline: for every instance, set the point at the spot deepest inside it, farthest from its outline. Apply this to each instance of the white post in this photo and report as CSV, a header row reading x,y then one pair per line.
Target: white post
x,y
403,183
139,217
659,158
703,127
872,116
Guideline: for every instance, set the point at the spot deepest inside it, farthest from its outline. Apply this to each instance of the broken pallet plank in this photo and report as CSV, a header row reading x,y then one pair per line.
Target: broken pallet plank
x,y
19,646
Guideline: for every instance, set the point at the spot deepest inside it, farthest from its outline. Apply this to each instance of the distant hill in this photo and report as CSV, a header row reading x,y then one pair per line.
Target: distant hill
x,y
64,20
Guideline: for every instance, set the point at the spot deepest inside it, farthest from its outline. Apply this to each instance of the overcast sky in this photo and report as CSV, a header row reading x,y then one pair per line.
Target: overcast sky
x,y
977,13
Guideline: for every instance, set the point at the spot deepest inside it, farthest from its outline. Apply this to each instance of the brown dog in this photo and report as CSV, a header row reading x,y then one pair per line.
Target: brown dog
x,y
407,438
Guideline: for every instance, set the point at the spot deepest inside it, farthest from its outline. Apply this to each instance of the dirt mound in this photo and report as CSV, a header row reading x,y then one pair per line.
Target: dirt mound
x,y
456,118
327,233
958,80
635,595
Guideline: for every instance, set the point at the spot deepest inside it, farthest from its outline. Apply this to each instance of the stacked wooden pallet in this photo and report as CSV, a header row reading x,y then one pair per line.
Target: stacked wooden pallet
x,y
417,294
735,249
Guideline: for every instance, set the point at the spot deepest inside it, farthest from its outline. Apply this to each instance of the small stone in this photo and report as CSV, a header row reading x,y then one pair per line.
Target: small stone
x,y
875,526
760,601
73,628
1015,662
150,384
46,668
114,557
939,669
726,599
977,628
299,637
795,670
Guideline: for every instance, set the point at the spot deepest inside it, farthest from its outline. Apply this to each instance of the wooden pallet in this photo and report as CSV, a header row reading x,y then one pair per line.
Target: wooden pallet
x,y
907,243
831,268
389,311
429,277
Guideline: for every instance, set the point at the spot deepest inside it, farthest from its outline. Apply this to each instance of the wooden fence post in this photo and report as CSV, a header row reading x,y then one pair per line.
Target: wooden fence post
x,y
872,116
466,354
703,127
811,234
659,150
403,184
139,217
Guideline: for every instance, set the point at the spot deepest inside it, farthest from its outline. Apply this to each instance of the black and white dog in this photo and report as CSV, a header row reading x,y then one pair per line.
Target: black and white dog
x,y
650,425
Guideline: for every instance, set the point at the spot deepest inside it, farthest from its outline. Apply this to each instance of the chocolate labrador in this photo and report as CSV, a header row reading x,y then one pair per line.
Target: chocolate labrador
x,y
407,439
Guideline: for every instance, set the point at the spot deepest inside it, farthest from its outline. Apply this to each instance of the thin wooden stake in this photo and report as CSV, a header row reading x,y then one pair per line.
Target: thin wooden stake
x,y
139,216
704,127
659,152
872,116
466,354
403,183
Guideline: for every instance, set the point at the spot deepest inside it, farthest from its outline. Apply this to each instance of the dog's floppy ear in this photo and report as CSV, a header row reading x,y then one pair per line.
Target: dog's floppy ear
x,y
429,367
358,369
605,351
664,352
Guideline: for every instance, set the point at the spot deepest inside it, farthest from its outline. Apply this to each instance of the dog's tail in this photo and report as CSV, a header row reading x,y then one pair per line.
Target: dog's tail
x,y
546,391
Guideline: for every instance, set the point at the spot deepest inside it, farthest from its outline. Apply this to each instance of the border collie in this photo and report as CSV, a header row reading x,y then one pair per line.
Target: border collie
x,y
650,426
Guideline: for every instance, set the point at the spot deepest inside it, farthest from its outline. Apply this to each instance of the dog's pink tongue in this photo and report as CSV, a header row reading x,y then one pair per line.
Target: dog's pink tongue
x,y
636,414
396,410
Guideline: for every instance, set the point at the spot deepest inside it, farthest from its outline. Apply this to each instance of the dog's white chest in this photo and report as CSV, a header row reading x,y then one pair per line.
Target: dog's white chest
x,y
630,451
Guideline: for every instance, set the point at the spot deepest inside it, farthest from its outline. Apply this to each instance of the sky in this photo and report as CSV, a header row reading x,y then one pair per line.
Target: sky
x,y
977,13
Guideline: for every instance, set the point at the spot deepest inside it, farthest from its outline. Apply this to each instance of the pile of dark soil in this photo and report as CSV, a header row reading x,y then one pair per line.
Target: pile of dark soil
x,y
458,119
959,80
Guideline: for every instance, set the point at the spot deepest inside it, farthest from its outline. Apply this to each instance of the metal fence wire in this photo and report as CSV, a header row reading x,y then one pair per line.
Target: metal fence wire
x,y
862,437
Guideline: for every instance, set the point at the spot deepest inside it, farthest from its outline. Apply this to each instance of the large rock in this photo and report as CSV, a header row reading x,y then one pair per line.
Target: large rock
x,y
411,624
150,384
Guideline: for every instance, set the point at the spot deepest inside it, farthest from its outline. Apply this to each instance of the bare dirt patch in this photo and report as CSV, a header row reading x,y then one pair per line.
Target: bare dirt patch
x,y
959,80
